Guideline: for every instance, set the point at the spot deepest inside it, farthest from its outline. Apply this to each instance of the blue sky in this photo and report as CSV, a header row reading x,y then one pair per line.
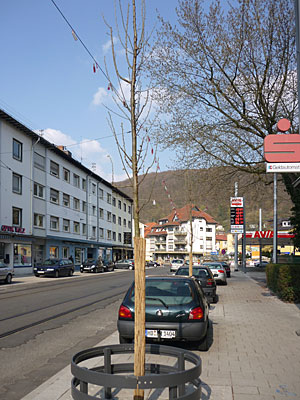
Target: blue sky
x,y
47,80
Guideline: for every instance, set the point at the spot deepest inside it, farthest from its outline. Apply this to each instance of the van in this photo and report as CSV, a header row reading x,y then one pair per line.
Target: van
x,y
6,272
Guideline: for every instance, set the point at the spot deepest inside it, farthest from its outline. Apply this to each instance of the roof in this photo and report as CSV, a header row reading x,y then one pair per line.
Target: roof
x,y
221,237
183,214
18,125
148,227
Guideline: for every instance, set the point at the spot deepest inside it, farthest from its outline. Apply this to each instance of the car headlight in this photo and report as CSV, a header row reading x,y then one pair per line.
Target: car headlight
x,y
93,266
35,268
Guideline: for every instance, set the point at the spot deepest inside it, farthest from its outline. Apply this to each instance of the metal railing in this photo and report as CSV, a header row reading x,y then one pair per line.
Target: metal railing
x,y
182,383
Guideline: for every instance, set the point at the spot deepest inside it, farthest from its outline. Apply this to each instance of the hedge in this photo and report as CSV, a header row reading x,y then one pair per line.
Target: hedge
x,y
284,280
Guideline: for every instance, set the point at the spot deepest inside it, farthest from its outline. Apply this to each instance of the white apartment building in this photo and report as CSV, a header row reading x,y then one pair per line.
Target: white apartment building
x,y
171,237
53,206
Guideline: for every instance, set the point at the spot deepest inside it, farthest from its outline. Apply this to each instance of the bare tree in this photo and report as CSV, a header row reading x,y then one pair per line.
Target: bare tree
x,y
133,109
224,78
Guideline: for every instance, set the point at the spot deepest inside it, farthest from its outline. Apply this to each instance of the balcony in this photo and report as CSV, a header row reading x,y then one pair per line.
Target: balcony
x,y
180,233
180,241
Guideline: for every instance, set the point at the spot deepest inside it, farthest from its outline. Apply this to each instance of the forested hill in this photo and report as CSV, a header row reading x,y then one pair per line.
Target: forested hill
x,y
210,190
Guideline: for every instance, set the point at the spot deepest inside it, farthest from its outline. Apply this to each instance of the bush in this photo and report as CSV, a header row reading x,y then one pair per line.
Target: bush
x,y
284,280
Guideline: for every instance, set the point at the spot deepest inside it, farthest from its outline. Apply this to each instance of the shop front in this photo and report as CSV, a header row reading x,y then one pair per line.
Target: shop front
x,y
16,252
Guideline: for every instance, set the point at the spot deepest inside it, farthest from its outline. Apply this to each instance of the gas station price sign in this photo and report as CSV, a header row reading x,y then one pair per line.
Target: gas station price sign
x,y
237,214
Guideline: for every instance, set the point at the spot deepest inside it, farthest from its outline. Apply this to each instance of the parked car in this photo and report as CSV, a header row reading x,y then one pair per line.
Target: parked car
x,y
92,265
176,310
152,264
218,271
124,264
206,279
6,272
175,264
108,265
263,264
227,268
55,267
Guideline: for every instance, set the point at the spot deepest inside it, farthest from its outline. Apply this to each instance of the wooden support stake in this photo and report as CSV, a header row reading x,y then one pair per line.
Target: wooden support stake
x,y
139,318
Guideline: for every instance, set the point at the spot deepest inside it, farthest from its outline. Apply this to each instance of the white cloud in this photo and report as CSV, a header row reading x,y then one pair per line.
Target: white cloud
x,y
57,137
107,46
99,96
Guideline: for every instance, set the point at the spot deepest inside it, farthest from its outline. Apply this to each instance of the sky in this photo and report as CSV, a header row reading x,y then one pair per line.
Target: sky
x,y
47,78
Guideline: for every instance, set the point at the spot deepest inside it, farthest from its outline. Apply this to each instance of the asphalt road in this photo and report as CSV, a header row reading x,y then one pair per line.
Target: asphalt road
x,y
42,325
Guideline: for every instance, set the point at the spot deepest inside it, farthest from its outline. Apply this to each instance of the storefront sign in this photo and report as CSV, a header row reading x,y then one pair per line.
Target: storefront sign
x,y
12,229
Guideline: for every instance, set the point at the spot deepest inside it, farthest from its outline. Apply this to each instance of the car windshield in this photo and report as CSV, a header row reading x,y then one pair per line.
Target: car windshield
x,y
50,262
212,265
177,261
197,272
167,292
89,260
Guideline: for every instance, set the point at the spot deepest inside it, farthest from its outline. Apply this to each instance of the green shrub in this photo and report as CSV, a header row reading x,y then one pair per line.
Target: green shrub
x,y
284,280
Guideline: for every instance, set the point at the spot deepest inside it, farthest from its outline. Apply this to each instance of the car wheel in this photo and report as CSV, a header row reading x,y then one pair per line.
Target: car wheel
x,y
124,340
203,345
56,274
71,272
37,275
8,279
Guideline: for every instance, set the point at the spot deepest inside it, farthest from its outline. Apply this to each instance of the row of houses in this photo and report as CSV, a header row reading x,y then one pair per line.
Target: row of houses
x,y
51,205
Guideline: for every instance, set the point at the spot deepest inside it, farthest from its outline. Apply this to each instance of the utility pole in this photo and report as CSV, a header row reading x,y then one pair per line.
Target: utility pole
x,y
275,221
260,229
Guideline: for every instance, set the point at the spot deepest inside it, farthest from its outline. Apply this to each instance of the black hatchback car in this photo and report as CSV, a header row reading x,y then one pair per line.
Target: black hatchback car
x,y
176,310
55,267
206,279
96,265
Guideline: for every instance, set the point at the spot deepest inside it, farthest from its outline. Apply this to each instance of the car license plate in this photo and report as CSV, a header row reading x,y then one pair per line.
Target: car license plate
x,y
41,272
167,334
151,333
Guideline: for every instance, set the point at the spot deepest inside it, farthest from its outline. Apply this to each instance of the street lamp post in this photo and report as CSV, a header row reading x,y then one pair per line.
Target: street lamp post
x,y
112,169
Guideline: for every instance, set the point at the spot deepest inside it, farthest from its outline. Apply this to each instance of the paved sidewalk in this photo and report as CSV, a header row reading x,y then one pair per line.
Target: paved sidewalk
x,y
254,352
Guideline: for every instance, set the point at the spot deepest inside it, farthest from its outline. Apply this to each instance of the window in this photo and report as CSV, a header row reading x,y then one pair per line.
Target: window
x,y
17,183
17,150
101,213
66,174
54,169
120,221
66,200
114,218
76,227
54,223
124,222
114,236
129,209
83,206
84,229
120,237
94,232
108,216
109,235
39,161
100,193
39,190
53,252
101,232
76,180
124,205
83,184
129,224
76,204
16,216
93,188
119,204
66,225
208,229
54,196
109,198
114,201
38,220
65,252
94,210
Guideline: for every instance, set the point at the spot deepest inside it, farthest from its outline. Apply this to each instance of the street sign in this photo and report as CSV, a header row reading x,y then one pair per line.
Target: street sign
x,y
283,167
236,214
282,148
236,201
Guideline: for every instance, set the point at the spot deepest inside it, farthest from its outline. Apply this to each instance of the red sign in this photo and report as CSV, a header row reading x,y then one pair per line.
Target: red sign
x,y
12,229
269,234
282,148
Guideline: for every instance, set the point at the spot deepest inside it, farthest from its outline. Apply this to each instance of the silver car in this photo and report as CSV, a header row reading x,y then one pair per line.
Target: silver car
x,y
218,271
175,264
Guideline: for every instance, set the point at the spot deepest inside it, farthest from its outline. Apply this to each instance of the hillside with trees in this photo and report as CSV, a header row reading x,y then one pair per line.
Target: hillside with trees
x,y
212,189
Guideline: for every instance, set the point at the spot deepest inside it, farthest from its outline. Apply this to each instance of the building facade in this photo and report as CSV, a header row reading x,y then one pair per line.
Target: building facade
x,y
172,237
53,206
